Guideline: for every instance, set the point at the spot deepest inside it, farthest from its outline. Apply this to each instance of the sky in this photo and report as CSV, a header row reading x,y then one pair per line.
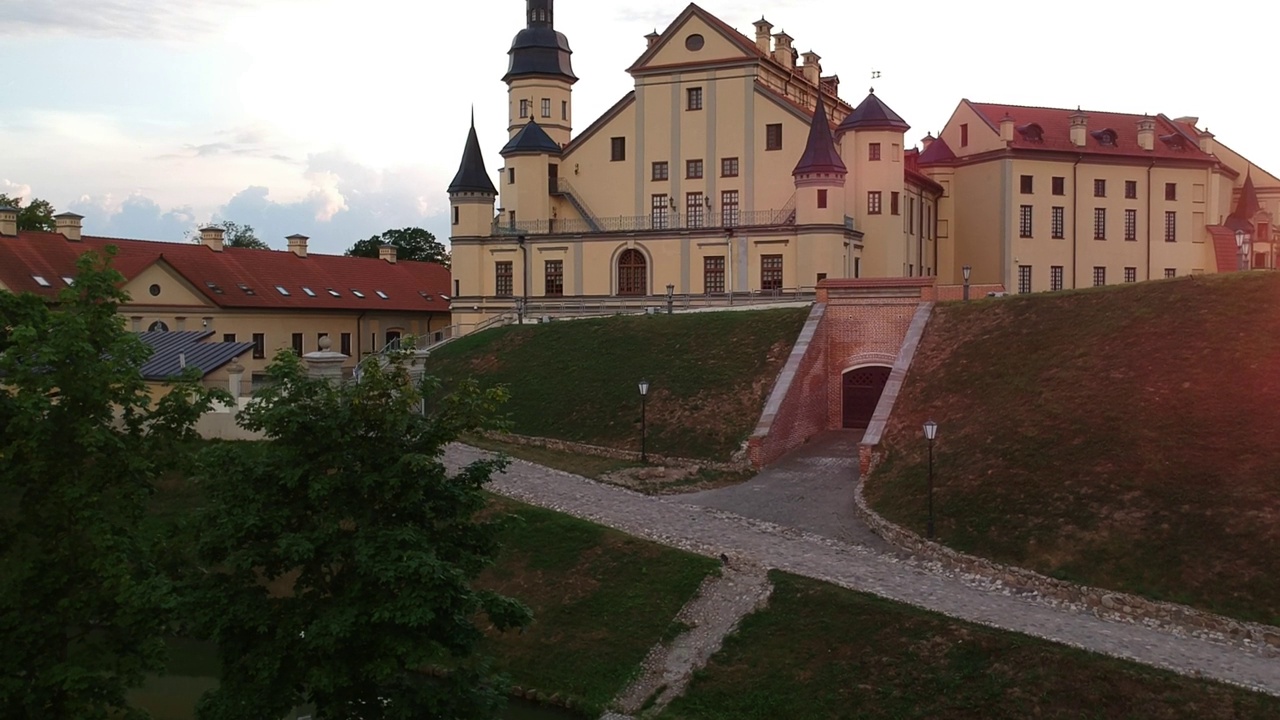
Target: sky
x,y
340,120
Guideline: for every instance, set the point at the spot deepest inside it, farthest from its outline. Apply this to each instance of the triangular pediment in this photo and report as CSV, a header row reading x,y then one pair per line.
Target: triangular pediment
x,y
677,45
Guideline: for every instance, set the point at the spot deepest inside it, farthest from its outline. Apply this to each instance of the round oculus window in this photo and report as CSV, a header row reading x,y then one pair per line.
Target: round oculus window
x,y
154,290
694,43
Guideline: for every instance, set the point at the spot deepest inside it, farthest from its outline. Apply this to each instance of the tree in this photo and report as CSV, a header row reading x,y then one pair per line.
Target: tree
x,y
36,216
240,236
337,557
411,244
83,608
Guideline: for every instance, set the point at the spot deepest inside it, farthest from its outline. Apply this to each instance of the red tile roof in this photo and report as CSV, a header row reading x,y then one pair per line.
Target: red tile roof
x,y
1224,248
1056,126
52,257
938,152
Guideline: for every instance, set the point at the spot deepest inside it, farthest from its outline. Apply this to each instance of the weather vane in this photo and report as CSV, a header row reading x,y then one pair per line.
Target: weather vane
x,y
875,74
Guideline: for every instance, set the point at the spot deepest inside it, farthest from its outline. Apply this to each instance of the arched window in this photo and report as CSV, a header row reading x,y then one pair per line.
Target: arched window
x,y
158,326
633,274
393,339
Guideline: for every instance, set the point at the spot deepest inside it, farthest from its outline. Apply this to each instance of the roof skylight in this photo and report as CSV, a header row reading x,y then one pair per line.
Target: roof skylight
x,y
247,290
334,293
213,286
308,291
41,281
382,295
357,293
282,291
68,280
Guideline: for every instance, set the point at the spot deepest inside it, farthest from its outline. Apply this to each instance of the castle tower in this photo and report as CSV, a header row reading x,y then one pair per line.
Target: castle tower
x,y
820,205
471,194
540,76
871,142
531,174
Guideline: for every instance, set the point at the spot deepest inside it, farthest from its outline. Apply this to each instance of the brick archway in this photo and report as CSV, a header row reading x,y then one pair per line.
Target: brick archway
x,y
860,390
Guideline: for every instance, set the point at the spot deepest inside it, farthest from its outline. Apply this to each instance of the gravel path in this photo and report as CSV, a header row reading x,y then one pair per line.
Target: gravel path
x,y
709,531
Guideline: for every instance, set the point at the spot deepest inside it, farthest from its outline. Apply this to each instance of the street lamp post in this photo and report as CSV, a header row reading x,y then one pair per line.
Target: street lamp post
x,y
671,290
1242,245
930,432
967,271
524,276
644,430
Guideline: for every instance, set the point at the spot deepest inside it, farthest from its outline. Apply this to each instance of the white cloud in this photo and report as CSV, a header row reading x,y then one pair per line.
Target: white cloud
x,y
14,190
140,19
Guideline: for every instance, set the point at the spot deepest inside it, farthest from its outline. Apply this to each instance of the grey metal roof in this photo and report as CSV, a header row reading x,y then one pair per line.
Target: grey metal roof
x,y
472,177
171,349
873,114
531,139
539,49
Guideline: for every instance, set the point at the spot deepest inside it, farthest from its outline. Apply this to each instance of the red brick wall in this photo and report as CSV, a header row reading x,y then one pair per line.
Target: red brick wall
x,y
945,293
803,412
865,331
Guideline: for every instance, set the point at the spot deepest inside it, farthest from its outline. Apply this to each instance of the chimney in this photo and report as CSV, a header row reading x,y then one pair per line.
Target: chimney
x,y
387,252
652,38
763,30
1006,128
298,245
782,51
68,225
8,220
1079,128
926,141
1206,141
813,68
1147,133
211,237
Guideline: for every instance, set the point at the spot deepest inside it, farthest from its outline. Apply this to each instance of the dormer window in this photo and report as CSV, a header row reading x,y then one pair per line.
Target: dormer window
x,y
1031,132
1174,141
1105,137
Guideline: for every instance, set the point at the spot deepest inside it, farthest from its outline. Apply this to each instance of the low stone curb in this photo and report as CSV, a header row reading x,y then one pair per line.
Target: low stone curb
x,y
613,453
1106,604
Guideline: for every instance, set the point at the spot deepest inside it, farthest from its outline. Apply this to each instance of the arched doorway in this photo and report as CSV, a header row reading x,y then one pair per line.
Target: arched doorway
x,y
861,391
633,273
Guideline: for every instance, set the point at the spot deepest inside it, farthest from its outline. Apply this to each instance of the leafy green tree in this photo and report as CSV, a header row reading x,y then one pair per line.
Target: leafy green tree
x,y
411,244
36,215
240,236
83,608
338,556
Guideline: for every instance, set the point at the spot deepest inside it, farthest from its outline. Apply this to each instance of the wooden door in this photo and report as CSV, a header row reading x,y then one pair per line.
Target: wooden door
x,y
861,389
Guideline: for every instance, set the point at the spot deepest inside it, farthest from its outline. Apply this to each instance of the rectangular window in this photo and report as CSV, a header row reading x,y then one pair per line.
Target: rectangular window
x,y
553,278
228,337
770,272
1059,186
713,275
893,203
546,107
564,109
658,212
729,208
1027,183
1058,226
693,169
1131,274
345,344
455,216
1024,221
873,202
259,345
693,98
1100,276
1024,279
911,216
1170,273
1099,223
694,209
729,167
822,199
1099,188
873,151
857,267
511,176
1130,225
618,149
773,136
1055,277
297,344
504,284
964,135
1171,226
1131,189
524,108
661,170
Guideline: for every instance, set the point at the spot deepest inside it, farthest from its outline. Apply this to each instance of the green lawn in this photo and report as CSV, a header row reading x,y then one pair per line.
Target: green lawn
x,y
710,375
1122,437
818,651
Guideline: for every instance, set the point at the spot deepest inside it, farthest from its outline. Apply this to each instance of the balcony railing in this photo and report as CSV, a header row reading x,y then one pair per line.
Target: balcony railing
x,y
646,223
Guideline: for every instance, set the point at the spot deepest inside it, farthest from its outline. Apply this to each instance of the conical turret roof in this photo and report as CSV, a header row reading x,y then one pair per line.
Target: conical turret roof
x,y
472,177
531,139
873,114
820,154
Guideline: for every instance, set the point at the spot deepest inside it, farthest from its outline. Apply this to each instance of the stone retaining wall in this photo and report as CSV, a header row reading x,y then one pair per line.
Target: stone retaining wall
x,y
615,453
1103,603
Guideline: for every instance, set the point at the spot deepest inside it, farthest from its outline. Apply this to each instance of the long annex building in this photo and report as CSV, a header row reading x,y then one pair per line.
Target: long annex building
x,y
734,167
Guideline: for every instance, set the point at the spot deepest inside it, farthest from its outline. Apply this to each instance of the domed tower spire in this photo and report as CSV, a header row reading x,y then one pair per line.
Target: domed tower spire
x,y
540,75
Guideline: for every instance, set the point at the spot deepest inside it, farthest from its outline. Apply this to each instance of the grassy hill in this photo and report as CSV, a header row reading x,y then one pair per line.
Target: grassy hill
x,y
709,375
1123,437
